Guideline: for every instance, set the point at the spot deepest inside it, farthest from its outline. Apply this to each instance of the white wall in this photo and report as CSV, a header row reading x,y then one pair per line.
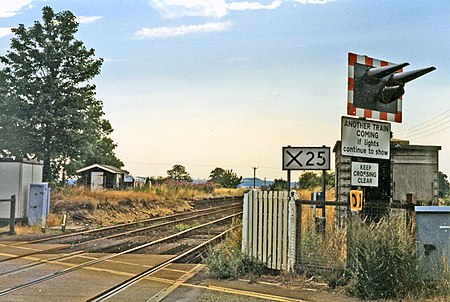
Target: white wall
x,y
15,179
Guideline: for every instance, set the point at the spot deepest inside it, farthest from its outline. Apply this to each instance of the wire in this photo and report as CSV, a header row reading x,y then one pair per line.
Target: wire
x,y
423,123
427,130
438,119
417,138
432,124
195,166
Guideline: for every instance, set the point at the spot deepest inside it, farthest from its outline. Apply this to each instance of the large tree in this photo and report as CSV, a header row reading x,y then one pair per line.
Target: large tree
x,y
49,105
178,172
225,178
309,180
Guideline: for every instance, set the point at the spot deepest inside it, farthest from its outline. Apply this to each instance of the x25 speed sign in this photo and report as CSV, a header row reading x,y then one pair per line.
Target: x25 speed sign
x,y
306,158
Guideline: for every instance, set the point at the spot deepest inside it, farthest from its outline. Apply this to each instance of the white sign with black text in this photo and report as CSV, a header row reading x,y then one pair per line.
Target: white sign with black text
x,y
363,138
364,174
306,158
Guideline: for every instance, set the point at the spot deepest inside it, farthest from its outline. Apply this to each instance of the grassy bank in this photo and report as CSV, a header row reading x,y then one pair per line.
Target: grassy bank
x,y
106,207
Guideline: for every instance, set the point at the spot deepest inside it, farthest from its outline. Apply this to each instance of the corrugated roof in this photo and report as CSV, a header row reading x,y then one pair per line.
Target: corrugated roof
x,y
108,168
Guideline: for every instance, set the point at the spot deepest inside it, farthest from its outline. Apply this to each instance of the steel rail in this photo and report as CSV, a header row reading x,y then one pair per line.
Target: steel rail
x,y
95,261
126,232
39,263
117,226
133,280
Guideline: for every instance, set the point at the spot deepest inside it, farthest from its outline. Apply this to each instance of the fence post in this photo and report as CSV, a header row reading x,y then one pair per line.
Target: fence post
x,y
292,233
298,257
348,233
12,215
245,230
63,226
409,212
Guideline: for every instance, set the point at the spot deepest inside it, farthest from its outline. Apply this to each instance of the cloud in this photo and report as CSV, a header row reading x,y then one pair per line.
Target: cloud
x,y
12,8
5,31
313,1
160,32
246,5
190,8
207,8
88,19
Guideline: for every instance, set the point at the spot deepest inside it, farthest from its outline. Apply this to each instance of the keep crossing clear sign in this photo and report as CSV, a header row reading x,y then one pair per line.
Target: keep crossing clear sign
x,y
364,174
306,158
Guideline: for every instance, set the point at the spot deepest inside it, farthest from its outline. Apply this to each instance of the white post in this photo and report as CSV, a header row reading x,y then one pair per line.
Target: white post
x,y
254,221
292,233
270,231
260,224
284,262
245,225
265,228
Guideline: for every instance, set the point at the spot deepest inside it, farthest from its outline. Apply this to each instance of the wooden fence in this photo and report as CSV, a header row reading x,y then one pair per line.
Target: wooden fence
x,y
265,230
272,227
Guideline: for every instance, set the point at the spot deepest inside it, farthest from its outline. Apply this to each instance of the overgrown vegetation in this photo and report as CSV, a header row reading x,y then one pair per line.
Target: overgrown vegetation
x,y
228,261
232,263
324,248
167,190
383,262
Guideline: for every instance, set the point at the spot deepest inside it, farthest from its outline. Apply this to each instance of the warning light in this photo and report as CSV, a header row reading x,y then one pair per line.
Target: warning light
x,y
376,87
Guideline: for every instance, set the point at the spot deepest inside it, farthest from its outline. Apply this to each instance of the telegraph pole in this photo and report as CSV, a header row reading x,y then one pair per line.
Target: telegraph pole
x,y
254,177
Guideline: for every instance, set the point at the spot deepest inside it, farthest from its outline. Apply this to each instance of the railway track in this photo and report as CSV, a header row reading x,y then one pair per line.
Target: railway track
x,y
183,253
127,284
81,239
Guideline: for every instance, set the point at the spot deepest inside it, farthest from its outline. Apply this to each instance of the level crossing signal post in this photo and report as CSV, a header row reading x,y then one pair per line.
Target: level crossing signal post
x,y
375,90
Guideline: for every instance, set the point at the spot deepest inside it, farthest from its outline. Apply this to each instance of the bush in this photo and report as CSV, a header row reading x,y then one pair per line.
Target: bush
x,y
382,260
232,264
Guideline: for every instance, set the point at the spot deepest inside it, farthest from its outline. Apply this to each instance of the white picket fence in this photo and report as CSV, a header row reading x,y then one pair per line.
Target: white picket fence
x,y
267,228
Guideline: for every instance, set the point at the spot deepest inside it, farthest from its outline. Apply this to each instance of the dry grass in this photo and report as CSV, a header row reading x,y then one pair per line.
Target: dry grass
x,y
308,211
54,220
106,207
328,249
157,193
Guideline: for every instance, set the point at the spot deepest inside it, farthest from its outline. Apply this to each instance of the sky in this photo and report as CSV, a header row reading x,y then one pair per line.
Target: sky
x,y
225,83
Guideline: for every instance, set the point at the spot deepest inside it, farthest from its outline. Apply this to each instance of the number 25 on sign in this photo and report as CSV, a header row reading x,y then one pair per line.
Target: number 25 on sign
x,y
306,158
356,200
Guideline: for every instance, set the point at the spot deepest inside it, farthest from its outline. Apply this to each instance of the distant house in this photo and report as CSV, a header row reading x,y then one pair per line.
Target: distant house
x,y
128,181
102,177
137,182
142,182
